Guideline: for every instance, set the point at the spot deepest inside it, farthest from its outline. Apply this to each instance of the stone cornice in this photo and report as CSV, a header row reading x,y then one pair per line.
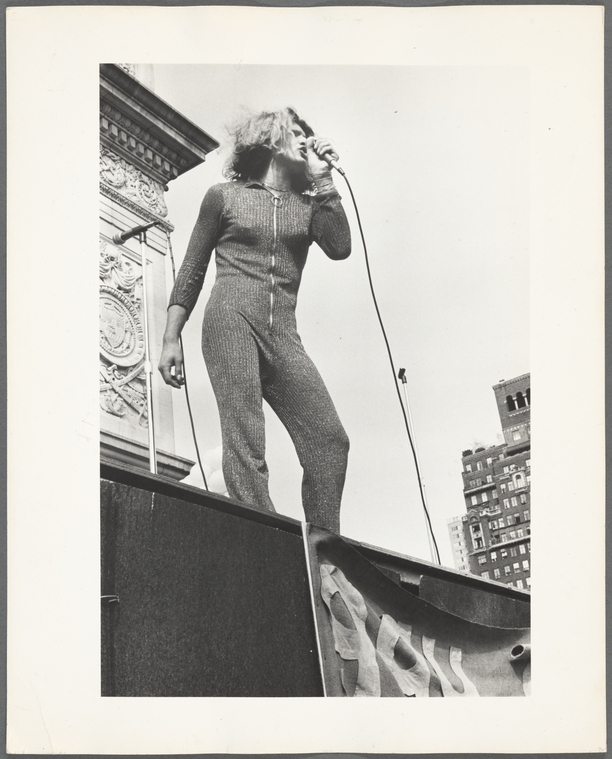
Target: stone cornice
x,y
136,208
145,130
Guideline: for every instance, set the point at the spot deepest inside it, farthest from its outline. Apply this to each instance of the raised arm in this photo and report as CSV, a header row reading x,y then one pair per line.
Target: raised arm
x,y
330,228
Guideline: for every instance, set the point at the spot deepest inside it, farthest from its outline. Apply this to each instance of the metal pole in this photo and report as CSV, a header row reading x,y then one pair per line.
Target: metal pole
x,y
147,364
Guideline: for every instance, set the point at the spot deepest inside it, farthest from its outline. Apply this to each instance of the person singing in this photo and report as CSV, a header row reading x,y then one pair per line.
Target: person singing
x,y
280,198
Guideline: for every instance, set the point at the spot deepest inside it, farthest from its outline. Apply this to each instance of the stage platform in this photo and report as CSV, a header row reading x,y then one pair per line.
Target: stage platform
x,y
204,596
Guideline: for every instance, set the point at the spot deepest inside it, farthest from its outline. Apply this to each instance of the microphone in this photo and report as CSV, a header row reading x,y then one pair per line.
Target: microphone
x,y
327,157
121,237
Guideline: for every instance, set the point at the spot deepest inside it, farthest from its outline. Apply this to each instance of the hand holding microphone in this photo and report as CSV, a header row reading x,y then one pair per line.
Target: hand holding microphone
x,y
321,156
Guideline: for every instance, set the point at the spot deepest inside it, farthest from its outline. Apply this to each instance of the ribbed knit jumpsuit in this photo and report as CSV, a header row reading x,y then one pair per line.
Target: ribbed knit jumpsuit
x,y
250,341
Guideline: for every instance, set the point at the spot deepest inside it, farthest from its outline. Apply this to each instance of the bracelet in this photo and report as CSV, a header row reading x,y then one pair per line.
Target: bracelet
x,y
324,183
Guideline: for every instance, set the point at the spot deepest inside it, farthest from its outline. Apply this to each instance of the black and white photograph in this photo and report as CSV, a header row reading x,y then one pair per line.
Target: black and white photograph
x,y
298,463
439,159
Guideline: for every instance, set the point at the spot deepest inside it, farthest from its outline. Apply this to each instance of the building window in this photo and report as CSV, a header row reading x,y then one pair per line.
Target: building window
x,y
500,522
474,500
513,501
526,565
482,559
504,538
513,551
496,574
526,515
507,570
516,435
512,534
517,568
520,400
523,498
506,503
492,525
479,465
528,463
504,553
485,497
528,581
522,548
489,462
520,584
519,480
493,555
502,487
510,486
484,575
516,518
489,478
510,405
468,467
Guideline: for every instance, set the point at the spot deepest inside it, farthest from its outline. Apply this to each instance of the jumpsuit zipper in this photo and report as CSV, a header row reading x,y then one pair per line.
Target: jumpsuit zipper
x,y
276,202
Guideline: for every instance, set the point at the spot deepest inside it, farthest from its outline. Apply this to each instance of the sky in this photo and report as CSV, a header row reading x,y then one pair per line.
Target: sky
x,y
438,159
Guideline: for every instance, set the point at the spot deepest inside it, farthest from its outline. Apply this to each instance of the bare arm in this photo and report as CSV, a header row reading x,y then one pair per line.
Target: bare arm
x,y
171,360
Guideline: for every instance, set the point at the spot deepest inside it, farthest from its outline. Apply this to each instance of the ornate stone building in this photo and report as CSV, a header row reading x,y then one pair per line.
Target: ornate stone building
x,y
144,144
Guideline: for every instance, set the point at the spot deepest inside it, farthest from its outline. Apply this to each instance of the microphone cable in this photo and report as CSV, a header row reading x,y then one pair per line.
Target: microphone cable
x,y
390,355
193,432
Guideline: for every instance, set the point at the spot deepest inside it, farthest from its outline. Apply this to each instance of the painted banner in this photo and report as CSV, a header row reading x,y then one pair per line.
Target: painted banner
x,y
378,639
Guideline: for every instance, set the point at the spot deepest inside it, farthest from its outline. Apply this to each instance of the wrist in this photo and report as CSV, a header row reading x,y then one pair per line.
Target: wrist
x,y
324,182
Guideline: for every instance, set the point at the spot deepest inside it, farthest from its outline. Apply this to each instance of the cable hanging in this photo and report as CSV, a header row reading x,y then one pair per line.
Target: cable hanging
x,y
193,432
435,552
430,532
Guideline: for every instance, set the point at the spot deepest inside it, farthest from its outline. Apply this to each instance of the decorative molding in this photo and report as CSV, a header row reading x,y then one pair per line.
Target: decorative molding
x,y
116,270
124,394
122,378
130,205
140,135
131,182
144,129
121,333
130,68
140,150
131,452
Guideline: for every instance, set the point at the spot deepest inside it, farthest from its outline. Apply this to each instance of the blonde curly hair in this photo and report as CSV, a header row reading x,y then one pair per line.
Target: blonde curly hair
x,y
256,139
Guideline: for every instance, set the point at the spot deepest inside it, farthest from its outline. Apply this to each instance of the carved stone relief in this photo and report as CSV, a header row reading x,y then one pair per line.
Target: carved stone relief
x,y
131,182
122,378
